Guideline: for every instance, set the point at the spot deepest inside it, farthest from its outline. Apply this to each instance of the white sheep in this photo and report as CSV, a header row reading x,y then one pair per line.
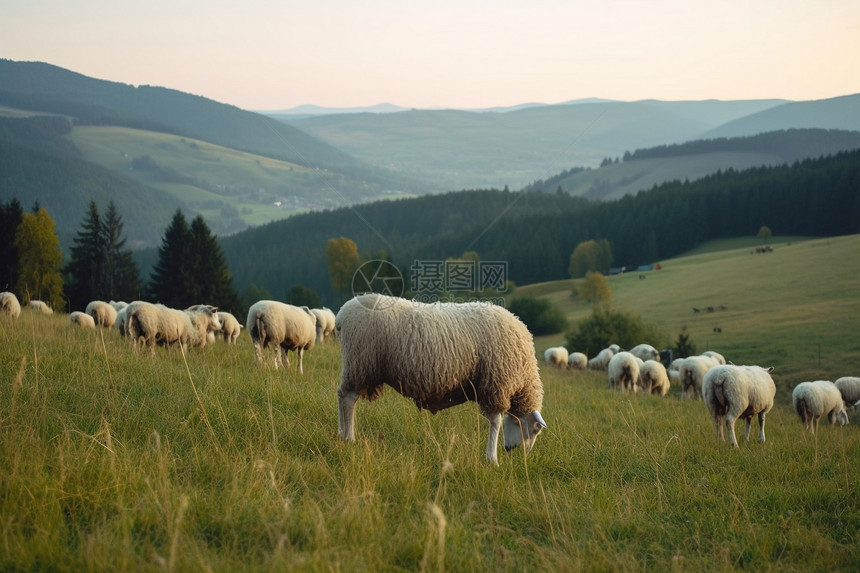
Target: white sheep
x,y
614,348
150,324
577,361
280,325
624,372
9,305
230,328
811,400
601,361
121,322
325,323
692,372
674,371
733,392
556,356
118,304
40,306
103,313
82,319
715,355
441,355
653,378
849,386
645,352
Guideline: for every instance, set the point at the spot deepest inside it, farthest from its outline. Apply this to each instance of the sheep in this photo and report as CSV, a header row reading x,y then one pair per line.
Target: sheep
x,y
577,361
325,323
614,348
733,392
691,371
82,319
118,304
601,361
103,313
40,306
121,322
281,325
624,372
674,371
849,386
441,355
653,378
230,327
715,355
645,352
811,400
154,324
9,305
556,356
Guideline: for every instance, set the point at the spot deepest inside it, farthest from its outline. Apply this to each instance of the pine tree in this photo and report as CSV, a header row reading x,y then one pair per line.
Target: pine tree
x,y
10,218
40,259
170,280
85,271
212,281
122,273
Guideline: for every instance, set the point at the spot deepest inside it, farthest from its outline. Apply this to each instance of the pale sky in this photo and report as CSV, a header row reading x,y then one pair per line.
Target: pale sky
x,y
277,54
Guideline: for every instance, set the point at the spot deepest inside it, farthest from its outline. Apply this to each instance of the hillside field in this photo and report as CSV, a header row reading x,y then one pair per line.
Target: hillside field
x,y
113,461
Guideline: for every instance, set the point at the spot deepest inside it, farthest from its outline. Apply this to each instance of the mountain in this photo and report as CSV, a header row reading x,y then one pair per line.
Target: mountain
x,y
835,113
455,149
309,110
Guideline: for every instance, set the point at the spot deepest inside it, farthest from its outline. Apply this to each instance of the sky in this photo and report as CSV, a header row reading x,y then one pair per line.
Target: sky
x,y
464,54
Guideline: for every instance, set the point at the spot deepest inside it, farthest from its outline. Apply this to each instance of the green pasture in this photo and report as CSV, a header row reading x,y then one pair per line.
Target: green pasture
x,y
114,461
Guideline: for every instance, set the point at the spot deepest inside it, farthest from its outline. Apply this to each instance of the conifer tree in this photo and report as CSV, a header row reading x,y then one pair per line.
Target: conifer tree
x,y
123,275
170,280
40,259
10,218
85,271
212,281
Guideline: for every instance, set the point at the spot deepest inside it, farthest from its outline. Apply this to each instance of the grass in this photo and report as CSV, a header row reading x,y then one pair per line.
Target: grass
x,y
114,461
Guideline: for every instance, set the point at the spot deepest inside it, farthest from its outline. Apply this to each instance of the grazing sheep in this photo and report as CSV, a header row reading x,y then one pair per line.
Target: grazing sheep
x,y
281,326
121,322
441,355
691,373
645,352
674,371
849,386
556,356
715,355
601,361
614,348
577,361
40,306
624,372
653,378
118,304
152,324
811,400
82,319
9,305
230,327
103,313
325,323
733,392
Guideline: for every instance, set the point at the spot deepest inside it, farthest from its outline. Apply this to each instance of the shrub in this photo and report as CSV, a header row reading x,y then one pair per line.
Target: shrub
x,y
606,327
539,315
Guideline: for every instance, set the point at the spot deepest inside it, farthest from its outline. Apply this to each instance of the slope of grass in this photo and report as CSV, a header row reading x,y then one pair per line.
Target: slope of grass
x,y
120,462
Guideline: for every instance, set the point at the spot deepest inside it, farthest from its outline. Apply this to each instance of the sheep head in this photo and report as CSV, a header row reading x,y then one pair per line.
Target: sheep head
x,y
522,429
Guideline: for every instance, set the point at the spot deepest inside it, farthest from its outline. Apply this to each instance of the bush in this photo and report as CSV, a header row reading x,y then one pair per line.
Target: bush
x,y
607,327
539,315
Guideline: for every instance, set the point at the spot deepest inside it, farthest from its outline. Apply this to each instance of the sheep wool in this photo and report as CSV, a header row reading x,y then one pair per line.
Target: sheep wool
x,y
556,356
103,313
40,306
691,373
645,352
325,323
601,361
849,386
82,319
230,327
441,355
282,326
624,372
812,400
653,378
731,392
577,361
9,305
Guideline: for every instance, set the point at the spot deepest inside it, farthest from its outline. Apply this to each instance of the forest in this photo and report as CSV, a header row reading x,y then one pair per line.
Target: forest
x,y
535,233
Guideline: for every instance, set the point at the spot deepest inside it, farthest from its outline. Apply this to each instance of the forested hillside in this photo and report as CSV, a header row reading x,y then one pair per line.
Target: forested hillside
x,y
535,233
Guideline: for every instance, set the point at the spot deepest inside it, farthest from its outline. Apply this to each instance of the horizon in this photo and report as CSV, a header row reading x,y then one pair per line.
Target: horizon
x,y
451,55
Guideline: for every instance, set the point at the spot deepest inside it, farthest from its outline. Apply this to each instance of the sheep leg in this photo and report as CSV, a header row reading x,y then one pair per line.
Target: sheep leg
x,y
495,420
300,352
258,351
346,414
718,428
730,427
761,426
747,426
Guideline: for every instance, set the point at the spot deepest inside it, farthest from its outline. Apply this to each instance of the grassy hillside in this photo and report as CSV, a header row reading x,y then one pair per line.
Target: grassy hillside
x,y
794,309
113,461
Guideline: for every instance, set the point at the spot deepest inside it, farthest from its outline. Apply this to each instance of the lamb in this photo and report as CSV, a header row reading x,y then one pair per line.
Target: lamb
x,y
230,327
103,313
653,378
556,356
577,361
811,400
152,324
645,352
82,319
692,372
601,361
849,386
624,372
9,305
441,355
325,323
41,306
715,355
281,325
733,392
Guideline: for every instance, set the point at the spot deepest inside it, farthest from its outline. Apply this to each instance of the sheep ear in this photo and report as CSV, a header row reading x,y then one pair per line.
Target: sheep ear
x,y
769,369
539,419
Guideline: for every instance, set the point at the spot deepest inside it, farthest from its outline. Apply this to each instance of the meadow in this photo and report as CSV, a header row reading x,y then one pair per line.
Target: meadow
x,y
113,461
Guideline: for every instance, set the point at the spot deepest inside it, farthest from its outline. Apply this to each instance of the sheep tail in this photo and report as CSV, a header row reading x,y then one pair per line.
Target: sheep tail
x,y
260,326
718,391
802,409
